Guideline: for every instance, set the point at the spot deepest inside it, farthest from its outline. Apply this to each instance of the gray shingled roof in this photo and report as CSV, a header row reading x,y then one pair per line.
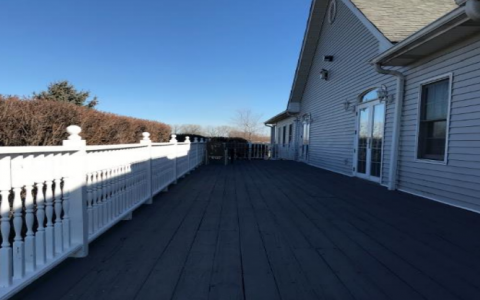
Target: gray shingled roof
x,y
397,19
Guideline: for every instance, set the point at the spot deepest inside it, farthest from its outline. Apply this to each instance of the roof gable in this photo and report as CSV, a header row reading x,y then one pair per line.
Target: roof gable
x,y
398,19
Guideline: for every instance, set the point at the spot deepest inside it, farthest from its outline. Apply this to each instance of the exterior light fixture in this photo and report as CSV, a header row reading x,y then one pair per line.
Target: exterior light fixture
x,y
383,95
348,106
324,74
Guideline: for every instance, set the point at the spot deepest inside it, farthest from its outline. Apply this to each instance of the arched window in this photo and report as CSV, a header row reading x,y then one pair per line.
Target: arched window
x,y
370,95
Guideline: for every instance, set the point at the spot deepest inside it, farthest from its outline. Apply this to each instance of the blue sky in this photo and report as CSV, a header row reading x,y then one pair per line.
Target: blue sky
x,y
173,61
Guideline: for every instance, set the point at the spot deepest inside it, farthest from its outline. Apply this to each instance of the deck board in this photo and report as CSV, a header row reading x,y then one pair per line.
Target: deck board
x,y
277,230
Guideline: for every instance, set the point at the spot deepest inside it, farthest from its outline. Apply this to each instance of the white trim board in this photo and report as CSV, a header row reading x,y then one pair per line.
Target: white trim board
x,y
438,200
327,169
448,76
400,190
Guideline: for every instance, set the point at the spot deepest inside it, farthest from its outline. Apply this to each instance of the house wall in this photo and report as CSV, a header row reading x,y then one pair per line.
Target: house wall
x,y
285,150
332,133
458,181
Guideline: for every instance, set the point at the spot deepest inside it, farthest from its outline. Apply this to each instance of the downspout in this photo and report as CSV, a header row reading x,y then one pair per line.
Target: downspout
x,y
392,185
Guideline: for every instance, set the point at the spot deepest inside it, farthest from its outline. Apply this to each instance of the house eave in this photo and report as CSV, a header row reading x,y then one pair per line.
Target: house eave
x,y
280,117
309,46
440,34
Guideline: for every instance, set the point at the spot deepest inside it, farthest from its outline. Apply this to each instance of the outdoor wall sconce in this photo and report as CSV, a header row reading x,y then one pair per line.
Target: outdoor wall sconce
x,y
328,58
348,106
324,74
383,95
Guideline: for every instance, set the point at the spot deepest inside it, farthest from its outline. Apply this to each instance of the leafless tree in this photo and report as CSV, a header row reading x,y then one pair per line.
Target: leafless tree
x,y
218,131
190,129
224,131
211,131
247,123
176,128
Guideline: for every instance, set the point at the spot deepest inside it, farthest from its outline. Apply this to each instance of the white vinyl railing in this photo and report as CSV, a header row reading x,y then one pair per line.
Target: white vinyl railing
x,y
56,200
259,151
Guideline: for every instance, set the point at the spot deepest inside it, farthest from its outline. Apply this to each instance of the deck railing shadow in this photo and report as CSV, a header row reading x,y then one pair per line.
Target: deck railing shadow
x,y
56,200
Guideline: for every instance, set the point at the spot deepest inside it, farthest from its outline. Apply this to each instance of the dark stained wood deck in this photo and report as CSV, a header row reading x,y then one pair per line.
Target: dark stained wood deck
x,y
278,230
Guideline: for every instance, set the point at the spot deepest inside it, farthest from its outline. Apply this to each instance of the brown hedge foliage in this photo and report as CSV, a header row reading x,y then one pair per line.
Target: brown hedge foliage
x,y
27,122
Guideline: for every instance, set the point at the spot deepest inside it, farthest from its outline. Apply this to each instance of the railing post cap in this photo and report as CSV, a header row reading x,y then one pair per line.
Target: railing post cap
x,y
187,139
74,139
195,140
173,139
74,131
146,138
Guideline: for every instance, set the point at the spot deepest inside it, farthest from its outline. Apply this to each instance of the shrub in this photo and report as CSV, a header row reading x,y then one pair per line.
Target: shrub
x,y
26,122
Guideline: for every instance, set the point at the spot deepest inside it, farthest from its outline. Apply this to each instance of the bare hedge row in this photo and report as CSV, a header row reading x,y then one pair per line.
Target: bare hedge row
x,y
26,122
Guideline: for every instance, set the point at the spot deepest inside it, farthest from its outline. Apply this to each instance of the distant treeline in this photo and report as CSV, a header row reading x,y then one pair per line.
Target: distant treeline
x,y
28,122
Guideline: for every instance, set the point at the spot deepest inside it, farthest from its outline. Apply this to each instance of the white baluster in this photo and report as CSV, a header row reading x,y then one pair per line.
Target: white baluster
x,y
118,189
66,200
95,193
112,188
90,202
49,231
123,176
113,194
130,181
126,184
18,244
118,194
40,243
103,206
30,251
58,207
89,191
109,196
99,185
109,188
6,249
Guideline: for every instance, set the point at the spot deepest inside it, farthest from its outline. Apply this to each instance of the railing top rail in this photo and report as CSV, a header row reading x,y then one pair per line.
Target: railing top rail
x,y
162,144
35,149
113,147
187,143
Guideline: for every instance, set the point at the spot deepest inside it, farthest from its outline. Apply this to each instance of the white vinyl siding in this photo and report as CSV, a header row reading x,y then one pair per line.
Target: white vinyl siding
x,y
457,181
332,136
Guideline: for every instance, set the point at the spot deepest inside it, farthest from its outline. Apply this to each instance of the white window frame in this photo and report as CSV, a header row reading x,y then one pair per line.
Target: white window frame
x,y
357,131
448,76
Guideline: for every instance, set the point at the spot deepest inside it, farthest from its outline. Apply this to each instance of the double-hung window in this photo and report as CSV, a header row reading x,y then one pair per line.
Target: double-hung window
x,y
433,120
